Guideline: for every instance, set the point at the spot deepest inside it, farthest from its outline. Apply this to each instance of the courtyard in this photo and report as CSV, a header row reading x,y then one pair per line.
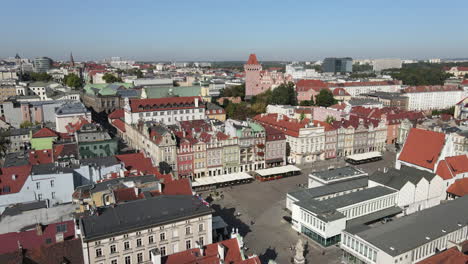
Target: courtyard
x,y
258,211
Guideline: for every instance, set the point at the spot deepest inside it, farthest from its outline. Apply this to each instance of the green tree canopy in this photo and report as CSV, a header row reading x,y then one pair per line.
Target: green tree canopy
x,y
4,143
26,124
36,77
72,80
325,98
420,74
285,94
234,91
110,78
330,119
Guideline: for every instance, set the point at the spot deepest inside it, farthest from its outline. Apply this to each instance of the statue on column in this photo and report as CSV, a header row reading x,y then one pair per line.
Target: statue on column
x,y
299,257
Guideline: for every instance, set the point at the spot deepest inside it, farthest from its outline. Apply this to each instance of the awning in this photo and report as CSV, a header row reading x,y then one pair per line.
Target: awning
x,y
277,170
210,180
364,156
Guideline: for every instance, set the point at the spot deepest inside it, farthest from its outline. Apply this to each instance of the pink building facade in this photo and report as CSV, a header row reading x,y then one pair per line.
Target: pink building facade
x,y
258,81
321,113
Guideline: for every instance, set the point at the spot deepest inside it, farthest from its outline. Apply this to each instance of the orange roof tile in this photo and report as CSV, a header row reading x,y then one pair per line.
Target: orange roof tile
x,y
422,148
252,59
449,256
45,132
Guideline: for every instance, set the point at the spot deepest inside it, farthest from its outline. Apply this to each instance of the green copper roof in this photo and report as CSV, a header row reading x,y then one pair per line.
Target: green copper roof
x,y
161,92
105,88
256,127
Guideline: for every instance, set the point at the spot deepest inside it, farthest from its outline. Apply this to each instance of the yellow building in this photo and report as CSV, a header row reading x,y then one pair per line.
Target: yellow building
x,y
214,111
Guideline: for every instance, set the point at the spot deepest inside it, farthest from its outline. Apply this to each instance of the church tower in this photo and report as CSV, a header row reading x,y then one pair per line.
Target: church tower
x,y
72,61
252,77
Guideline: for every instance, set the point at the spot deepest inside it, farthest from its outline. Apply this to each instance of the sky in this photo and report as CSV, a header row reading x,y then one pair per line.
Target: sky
x,y
196,30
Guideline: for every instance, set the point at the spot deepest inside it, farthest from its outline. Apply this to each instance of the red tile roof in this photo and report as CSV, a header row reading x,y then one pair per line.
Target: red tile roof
x,y
306,85
459,187
44,156
464,82
143,165
449,256
119,124
45,132
178,187
339,106
210,255
433,88
30,239
340,92
452,166
68,251
160,104
273,134
252,59
117,114
125,195
422,148
73,127
67,149
12,179
288,126
461,68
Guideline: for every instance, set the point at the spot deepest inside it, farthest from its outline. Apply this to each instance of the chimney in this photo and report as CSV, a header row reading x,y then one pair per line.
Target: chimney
x,y
58,237
385,169
39,230
196,101
155,256
221,250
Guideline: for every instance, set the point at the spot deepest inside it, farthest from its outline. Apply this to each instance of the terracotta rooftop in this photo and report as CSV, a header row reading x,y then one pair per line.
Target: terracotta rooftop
x,y
119,124
40,156
422,148
117,114
12,179
459,187
433,88
252,59
45,132
30,239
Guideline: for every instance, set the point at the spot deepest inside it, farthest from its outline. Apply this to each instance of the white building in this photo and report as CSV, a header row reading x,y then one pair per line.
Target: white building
x,y
129,232
70,113
287,110
408,239
383,64
423,98
357,88
298,72
324,220
165,110
417,189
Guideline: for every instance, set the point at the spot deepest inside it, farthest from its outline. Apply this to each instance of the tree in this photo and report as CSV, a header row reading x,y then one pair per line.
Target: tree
x,y
302,116
325,98
420,74
330,119
4,143
466,76
26,124
72,80
362,67
164,168
110,78
36,77
285,94
234,91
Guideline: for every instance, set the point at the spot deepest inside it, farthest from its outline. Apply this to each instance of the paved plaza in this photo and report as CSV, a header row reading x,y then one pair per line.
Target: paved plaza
x,y
258,211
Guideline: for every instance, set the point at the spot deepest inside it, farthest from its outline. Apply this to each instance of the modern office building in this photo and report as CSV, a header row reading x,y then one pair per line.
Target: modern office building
x,y
42,64
337,65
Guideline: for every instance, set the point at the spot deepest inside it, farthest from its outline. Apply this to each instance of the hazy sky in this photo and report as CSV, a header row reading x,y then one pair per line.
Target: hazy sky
x,y
230,30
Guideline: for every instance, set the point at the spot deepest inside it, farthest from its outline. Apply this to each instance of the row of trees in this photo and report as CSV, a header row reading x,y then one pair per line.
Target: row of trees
x,y
36,77
284,94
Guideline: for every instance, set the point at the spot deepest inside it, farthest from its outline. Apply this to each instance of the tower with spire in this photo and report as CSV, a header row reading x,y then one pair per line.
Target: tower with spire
x,y
72,61
252,76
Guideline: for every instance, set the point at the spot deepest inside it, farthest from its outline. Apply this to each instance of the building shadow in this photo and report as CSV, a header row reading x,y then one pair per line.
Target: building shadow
x,y
269,254
229,216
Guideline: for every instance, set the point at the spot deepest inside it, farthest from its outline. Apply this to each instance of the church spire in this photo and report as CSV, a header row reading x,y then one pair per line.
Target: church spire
x,y
72,62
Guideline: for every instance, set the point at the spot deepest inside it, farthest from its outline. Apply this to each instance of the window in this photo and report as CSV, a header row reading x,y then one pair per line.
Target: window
x,y
39,197
188,230
114,261
128,260
188,244
162,250
98,253
38,185
150,239
201,240
200,227
112,249
53,195
126,245
63,228
138,233
162,236
52,183
139,242
139,257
